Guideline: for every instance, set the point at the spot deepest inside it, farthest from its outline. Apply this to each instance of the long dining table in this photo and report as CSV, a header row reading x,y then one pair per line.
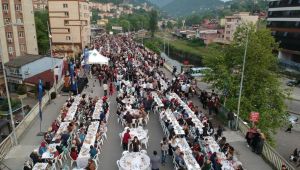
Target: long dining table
x,y
89,140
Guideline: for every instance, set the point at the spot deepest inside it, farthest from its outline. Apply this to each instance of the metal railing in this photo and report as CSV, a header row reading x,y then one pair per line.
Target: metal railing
x,y
7,143
268,153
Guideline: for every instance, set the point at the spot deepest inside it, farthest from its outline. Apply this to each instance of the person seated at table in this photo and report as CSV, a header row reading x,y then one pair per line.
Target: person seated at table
x,y
27,166
230,153
102,116
180,160
125,139
55,126
93,151
136,144
74,153
91,165
222,142
43,147
59,149
48,136
128,117
82,135
225,148
64,138
35,156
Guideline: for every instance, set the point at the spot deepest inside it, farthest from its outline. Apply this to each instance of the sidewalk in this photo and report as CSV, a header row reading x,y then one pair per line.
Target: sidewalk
x,y
250,160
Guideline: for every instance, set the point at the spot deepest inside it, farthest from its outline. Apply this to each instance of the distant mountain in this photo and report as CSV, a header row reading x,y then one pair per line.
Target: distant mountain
x,y
160,3
187,7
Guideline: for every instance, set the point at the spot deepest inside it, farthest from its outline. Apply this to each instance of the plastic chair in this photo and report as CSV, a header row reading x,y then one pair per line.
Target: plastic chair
x,y
121,137
144,151
134,122
125,152
72,161
140,122
118,163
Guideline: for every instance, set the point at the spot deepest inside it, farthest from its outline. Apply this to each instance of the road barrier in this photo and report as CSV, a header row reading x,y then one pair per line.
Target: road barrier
x,y
7,144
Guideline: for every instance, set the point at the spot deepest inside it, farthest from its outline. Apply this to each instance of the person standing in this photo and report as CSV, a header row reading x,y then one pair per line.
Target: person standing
x,y
155,161
125,140
105,88
164,150
230,118
111,89
289,129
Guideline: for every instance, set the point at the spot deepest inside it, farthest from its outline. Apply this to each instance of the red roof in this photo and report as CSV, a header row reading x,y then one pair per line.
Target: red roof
x,y
46,76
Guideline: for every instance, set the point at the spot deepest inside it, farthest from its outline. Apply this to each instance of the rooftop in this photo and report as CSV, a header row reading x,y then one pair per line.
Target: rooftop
x,y
23,60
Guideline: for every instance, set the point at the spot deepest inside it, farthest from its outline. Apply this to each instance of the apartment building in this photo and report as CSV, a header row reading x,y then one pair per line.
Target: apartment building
x,y
284,21
39,5
69,26
16,40
232,23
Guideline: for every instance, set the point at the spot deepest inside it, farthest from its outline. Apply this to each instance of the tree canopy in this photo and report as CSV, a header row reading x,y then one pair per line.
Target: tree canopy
x,y
41,19
153,22
261,87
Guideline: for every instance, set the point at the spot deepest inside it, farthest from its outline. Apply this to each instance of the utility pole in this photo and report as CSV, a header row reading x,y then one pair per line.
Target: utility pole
x,y
242,81
52,57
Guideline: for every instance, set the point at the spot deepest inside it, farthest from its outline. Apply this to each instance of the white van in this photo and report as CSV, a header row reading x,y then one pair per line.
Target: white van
x,y
198,71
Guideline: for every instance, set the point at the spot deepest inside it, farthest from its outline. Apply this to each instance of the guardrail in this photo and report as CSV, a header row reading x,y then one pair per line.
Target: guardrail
x,y
268,153
7,143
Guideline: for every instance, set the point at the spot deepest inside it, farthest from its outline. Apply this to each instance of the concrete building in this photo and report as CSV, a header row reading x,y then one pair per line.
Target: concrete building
x,y
16,40
284,21
232,22
39,5
69,25
29,69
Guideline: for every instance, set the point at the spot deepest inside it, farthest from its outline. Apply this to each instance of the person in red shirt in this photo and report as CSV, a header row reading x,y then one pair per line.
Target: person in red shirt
x,y
74,153
111,89
125,140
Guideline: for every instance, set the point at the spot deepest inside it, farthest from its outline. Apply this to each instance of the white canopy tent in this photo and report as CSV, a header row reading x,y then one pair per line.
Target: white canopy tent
x,y
96,58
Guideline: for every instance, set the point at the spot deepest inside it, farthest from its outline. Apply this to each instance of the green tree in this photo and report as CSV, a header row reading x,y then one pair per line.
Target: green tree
x,y
261,88
153,22
41,19
170,25
95,16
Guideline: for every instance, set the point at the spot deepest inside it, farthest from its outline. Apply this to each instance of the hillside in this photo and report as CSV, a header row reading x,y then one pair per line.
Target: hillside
x,y
160,3
187,7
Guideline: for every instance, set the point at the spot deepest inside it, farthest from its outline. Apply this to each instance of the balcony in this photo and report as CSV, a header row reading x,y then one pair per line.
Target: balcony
x,y
284,3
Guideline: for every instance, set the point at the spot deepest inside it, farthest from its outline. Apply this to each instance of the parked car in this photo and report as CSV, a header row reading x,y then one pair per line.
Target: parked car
x,y
293,83
293,119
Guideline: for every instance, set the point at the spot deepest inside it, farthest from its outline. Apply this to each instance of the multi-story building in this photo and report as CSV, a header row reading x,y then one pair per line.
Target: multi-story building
x,y
284,21
39,5
16,40
69,26
232,22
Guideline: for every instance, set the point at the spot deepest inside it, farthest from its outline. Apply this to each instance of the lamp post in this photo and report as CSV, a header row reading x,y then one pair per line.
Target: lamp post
x,y
52,57
14,137
242,81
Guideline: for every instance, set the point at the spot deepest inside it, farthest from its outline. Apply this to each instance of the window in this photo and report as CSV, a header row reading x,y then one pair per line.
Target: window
x,y
66,14
84,7
68,38
285,34
20,20
18,7
65,5
22,47
6,20
5,7
80,14
86,15
66,22
10,49
9,34
227,26
227,32
21,34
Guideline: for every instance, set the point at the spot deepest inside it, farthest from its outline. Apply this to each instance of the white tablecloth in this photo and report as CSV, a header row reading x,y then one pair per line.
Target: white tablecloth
x,y
40,166
212,144
97,111
62,127
189,159
89,140
129,100
177,128
73,109
139,132
51,149
135,161
157,99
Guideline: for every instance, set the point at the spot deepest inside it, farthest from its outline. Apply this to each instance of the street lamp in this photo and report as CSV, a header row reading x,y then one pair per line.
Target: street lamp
x,y
15,140
242,81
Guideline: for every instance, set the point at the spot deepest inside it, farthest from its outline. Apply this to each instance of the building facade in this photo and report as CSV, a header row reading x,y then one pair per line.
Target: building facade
x,y
39,5
69,26
284,22
232,23
16,40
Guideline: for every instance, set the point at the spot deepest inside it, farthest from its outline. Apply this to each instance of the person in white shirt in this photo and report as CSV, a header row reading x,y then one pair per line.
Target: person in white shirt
x,y
105,88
